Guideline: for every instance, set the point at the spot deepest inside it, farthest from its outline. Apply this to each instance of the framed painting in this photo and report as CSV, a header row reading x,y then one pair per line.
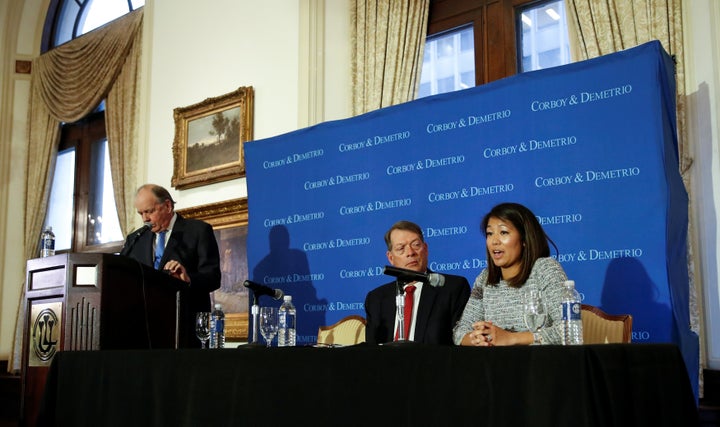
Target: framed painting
x,y
229,220
209,138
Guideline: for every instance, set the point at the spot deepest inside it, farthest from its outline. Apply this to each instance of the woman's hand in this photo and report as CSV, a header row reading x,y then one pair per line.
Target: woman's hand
x,y
486,334
480,336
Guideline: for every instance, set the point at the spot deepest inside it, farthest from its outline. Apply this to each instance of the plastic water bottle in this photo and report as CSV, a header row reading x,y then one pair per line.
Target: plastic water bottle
x,y
571,314
217,327
287,317
47,243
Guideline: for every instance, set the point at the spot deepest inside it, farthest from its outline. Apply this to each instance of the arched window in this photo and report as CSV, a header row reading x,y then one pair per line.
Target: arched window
x,y
68,19
82,208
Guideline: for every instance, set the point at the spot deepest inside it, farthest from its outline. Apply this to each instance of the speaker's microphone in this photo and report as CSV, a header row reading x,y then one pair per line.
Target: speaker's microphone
x,y
436,280
139,232
134,236
433,279
263,290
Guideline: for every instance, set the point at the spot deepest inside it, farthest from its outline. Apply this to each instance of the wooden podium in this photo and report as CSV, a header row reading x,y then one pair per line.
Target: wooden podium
x,y
92,301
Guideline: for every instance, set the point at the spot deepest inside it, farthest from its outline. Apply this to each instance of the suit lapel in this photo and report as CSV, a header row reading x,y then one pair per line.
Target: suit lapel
x,y
427,299
172,248
175,239
390,309
145,248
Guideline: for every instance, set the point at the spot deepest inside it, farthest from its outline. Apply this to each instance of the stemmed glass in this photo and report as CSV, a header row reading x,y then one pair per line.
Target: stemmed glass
x,y
268,323
202,327
535,313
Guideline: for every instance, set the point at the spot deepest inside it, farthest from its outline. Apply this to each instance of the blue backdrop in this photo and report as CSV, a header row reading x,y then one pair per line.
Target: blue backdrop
x,y
590,147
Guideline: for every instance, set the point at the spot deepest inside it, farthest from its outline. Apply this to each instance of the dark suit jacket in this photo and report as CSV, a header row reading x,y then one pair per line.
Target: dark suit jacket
x,y
438,311
192,243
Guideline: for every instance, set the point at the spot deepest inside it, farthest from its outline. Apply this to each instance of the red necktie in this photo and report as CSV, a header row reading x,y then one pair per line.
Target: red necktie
x,y
409,291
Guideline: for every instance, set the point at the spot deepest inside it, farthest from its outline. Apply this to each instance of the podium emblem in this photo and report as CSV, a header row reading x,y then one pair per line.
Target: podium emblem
x,y
45,333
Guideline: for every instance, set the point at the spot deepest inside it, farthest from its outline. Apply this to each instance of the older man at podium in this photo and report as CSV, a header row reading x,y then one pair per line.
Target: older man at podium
x,y
181,247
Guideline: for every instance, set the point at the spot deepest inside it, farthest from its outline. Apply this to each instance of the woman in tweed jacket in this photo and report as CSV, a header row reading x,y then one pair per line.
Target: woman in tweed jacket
x,y
518,255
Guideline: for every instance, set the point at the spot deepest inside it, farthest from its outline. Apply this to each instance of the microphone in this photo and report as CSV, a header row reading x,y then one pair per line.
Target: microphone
x,y
134,236
263,290
435,280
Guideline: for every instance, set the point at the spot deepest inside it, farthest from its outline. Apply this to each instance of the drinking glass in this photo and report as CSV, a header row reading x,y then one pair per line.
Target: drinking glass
x,y
535,313
268,323
202,327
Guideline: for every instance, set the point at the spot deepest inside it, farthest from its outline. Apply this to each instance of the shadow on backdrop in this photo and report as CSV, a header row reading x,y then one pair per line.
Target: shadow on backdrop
x,y
288,269
629,289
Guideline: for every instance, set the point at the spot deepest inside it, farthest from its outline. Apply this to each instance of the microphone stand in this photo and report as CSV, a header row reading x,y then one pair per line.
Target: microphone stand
x,y
130,243
255,310
135,235
400,304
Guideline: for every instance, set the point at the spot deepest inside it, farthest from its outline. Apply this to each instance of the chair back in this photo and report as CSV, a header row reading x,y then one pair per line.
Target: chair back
x,y
603,328
349,330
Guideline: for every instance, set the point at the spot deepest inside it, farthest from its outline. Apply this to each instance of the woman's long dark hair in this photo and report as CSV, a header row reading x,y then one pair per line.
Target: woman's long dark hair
x,y
532,235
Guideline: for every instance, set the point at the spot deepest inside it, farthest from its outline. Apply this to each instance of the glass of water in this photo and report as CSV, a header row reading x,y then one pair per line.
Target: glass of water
x,y
534,309
202,327
268,323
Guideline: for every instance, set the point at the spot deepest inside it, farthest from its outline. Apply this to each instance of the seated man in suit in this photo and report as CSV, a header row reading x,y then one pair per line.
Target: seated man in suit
x,y
436,309
190,253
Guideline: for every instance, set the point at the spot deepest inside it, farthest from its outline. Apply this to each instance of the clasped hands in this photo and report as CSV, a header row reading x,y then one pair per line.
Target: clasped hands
x,y
176,270
485,334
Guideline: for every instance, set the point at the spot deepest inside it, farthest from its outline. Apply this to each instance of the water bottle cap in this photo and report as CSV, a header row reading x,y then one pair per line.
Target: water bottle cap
x,y
49,228
218,306
570,283
287,297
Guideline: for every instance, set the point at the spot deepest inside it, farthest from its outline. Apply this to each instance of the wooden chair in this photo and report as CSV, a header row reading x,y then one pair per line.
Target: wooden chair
x,y
603,328
349,330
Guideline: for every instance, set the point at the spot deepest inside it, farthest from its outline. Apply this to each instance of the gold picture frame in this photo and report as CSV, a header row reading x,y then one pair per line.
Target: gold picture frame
x,y
229,220
209,136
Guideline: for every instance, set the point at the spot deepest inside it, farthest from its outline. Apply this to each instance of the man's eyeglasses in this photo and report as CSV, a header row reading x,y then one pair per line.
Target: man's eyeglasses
x,y
416,245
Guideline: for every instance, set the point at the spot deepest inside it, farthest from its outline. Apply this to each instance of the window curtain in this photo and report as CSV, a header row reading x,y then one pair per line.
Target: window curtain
x,y
67,84
605,26
388,43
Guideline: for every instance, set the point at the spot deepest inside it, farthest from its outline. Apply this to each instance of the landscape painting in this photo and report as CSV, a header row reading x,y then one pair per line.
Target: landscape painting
x,y
209,138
